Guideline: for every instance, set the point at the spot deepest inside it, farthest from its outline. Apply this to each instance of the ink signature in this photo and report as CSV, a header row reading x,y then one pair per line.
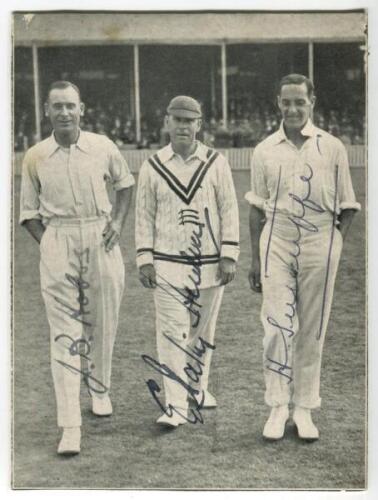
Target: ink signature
x,y
192,294
81,346
75,349
194,251
189,299
282,368
300,223
194,373
189,296
81,285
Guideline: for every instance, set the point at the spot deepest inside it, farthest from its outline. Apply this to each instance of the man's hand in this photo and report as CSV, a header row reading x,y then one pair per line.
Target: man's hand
x,y
35,228
345,220
147,276
254,276
226,270
111,235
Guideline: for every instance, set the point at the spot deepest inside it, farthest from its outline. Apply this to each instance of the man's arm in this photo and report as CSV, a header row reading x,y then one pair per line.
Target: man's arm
x,y
113,230
229,222
256,197
145,214
256,218
348,205
345,219
30,217
35,228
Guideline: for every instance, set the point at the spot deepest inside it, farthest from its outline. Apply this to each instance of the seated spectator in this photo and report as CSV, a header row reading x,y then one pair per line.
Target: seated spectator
x,y
358,140
250,121
223,138
246,134
345,135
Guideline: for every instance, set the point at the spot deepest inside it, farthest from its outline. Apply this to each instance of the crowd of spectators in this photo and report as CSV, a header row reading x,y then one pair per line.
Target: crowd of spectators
x,y
245,129
257,125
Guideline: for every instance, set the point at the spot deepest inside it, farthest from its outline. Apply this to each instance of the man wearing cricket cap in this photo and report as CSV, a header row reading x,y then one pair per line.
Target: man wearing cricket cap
x,y
187,238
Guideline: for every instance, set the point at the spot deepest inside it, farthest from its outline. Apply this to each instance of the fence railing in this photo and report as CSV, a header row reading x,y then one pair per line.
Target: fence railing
x,y
239,158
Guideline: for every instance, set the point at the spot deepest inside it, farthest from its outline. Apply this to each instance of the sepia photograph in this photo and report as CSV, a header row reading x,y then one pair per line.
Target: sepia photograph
x,y
189,276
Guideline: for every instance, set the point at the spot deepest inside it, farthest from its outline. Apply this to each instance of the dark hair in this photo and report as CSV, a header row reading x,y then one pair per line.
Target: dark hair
x,y
62,84
296,79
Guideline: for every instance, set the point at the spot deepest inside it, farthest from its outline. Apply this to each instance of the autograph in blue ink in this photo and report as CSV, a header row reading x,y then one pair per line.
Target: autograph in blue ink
x,y
192,372
189,299
81,285
306,204
81,346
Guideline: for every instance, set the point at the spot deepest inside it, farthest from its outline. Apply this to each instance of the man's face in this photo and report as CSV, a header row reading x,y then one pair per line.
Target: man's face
x,y
64,110
295,105
182,131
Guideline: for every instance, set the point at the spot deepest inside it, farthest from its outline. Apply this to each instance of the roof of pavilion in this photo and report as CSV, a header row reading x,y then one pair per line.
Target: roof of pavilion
x,y
199,28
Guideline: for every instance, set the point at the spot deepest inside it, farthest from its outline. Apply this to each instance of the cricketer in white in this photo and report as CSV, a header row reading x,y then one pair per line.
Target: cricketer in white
x,y
65,207
302,203
187,239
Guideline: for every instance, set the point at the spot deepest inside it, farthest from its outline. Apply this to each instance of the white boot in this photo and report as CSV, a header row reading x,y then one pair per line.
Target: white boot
x,y
102,407
171,421
306,428
275,426
70,442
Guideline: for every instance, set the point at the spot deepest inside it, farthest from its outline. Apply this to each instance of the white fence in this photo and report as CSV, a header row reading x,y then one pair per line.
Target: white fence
x,y
239,158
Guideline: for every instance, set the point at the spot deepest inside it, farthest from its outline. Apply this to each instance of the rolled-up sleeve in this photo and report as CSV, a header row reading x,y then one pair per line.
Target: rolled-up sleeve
x,y
229,211
346,196
145,213
30,190
258,194
120,174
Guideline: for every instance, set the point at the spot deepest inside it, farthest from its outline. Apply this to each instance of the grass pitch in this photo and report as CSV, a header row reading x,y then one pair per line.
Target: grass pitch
x,y
128,450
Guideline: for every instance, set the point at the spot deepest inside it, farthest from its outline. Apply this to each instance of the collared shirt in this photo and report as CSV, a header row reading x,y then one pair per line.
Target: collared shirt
x,y
186,216
71,182
318,173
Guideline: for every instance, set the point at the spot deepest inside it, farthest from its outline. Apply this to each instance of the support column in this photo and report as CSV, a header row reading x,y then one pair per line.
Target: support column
x,y
137,93
213,99
311,67
132,93
37,98
311,61
224,83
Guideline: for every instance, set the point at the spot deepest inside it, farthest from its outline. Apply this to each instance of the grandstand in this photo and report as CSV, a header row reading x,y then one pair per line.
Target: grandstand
x,y
129,65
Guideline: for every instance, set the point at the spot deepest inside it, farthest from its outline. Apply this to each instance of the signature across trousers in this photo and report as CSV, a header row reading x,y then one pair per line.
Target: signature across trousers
x,y
82,287
173,319
298,274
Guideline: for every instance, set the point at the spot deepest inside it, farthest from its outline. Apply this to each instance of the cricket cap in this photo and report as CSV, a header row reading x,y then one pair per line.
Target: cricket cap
x,y
184,106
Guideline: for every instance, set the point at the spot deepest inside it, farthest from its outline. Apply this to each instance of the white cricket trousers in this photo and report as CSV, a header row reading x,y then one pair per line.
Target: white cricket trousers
x,y
82,287
173,319
298,275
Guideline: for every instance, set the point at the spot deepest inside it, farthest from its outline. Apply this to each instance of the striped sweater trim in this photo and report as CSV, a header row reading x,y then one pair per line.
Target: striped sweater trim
x,y
142,250
199,262
234,243
185,193
187,259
